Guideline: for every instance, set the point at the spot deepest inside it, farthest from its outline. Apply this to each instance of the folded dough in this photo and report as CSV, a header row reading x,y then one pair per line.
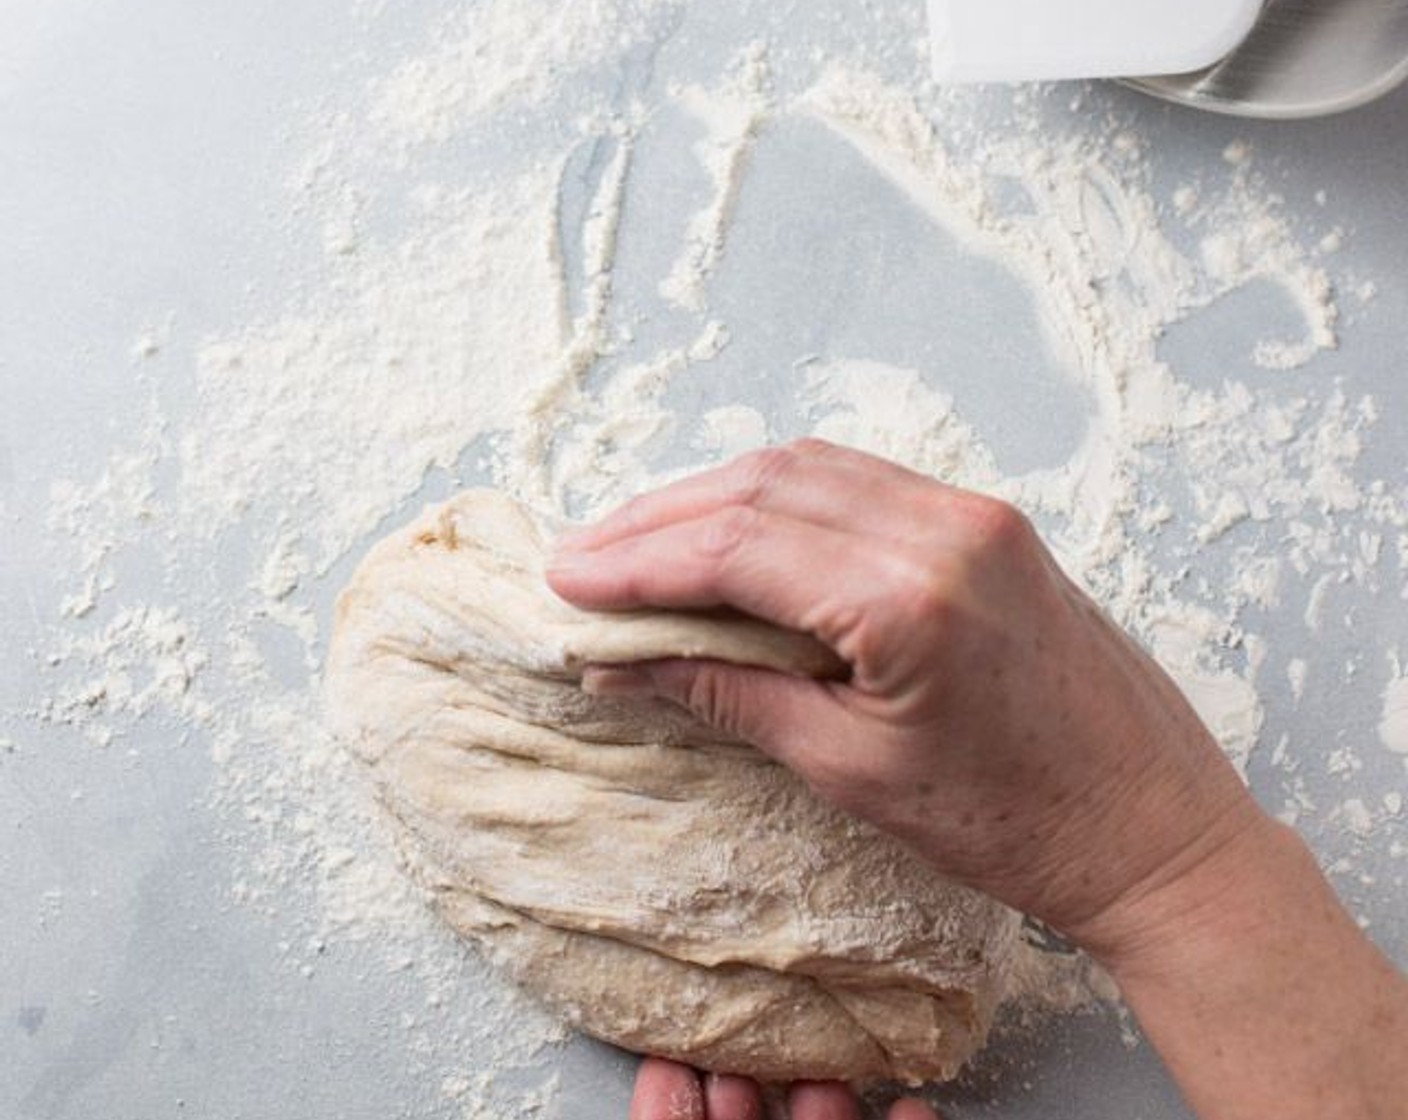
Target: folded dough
x,y
668,890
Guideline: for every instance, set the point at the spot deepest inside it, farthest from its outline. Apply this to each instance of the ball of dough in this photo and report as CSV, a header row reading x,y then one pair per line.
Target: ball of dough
x,y
667,889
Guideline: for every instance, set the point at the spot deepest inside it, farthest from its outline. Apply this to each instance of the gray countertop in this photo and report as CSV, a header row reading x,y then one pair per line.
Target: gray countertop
x,y
150,963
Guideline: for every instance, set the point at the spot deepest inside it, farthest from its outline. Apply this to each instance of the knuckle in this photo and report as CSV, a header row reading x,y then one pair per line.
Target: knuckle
x,y
728,532
919,587
923,607
874,626
629,516
714,699
869,642
809,447
995,527
756,475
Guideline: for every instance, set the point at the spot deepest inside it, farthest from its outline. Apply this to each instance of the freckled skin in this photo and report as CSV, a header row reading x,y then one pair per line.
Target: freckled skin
x,y
997,722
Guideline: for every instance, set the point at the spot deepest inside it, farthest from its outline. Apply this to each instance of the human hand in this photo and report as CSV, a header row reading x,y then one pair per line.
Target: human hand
x,y
1002,726
670,1091
995,720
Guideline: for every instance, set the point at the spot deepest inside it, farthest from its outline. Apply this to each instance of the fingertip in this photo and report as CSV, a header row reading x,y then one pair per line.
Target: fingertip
x,y
732,1098
588,579
560,572
822,1100
589,536
666,1090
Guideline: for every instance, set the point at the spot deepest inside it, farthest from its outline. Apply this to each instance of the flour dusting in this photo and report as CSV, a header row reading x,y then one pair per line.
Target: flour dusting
x,y
1393,727
530,329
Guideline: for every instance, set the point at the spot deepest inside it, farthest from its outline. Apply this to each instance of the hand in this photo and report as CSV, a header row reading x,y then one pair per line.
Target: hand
x,y
995,719
670,1091
1002,726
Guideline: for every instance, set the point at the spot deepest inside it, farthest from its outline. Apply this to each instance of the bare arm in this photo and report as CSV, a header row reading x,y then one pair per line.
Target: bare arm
x,y
999,724
1262,995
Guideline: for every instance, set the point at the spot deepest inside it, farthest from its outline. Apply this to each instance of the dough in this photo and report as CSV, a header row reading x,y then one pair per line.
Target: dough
x,y
666,889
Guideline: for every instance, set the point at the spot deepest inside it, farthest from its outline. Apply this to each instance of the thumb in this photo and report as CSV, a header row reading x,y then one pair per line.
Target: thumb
x,y
758,706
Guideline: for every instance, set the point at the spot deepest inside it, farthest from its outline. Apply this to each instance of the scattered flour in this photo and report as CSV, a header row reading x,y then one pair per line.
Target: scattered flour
x,y
733,430
507,55
730,116
415,350
1393,728
483,337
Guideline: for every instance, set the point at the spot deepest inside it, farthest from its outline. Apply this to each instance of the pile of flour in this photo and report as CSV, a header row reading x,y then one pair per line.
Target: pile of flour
x,y
529,221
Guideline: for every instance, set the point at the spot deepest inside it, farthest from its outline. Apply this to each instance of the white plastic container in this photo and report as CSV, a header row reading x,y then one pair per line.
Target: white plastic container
x,y
1031,40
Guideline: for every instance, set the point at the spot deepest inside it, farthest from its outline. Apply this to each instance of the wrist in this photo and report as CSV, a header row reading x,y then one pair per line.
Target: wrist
x,y
1258,989
1210,892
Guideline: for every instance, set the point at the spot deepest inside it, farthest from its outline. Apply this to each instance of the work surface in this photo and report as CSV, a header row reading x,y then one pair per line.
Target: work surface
x,y
276,274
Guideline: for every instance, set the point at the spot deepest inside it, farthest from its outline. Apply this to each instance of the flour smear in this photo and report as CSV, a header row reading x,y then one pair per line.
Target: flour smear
x,y
554,316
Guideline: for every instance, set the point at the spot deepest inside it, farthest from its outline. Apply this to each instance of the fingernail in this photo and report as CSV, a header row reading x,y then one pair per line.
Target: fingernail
x,y
618,682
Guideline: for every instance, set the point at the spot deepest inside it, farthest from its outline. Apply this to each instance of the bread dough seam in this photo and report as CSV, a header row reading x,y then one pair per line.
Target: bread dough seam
x,y
508,759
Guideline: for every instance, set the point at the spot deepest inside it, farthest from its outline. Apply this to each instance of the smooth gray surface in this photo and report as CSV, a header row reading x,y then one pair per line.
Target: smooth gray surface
x,y
138,154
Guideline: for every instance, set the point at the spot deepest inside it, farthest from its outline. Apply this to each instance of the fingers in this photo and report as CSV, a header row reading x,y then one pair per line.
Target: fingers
x,y
834,1101
731,1098
810,481
667,1091
796,575
670,1091
822,1100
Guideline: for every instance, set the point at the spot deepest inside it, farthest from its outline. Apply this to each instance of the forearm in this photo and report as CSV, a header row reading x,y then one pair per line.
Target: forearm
x,y
1261,994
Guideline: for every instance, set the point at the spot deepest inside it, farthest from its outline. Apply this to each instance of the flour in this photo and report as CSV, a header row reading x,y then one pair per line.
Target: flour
x,y
730,116
1297,673
1393,727
731,431
895,413
506,54
468,328
420,347
145,659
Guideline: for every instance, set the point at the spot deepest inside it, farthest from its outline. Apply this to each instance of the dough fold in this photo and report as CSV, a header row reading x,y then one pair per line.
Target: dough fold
x,y
666,889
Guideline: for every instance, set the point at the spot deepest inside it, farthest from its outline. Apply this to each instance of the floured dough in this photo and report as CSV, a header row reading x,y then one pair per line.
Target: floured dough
x,y
668,890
